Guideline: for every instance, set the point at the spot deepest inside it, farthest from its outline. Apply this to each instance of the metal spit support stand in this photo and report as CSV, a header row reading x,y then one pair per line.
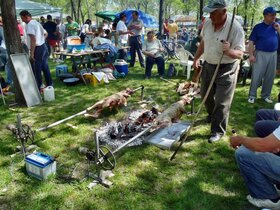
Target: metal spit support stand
x,y
105,158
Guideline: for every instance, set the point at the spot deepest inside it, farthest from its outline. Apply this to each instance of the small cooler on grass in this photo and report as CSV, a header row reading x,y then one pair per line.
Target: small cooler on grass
x,y
60,69
40,165
121,66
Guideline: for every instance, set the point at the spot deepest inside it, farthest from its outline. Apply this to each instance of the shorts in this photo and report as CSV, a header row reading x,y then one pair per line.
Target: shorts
x,y
52,42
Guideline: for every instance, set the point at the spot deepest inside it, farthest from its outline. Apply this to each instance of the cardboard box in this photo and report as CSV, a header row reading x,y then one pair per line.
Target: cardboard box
x,y
92,80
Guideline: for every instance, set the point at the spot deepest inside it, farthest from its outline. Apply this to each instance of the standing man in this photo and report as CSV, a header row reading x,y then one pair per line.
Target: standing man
x,y
71,27
52,38
136,26
123,36
38,50
259,163
263,46
173,30
4,57
214,45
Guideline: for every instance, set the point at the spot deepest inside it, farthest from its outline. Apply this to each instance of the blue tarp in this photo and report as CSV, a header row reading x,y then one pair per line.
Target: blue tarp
x,y
148,20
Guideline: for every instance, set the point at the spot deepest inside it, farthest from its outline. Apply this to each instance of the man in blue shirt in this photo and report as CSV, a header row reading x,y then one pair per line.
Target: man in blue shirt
x,y
263,44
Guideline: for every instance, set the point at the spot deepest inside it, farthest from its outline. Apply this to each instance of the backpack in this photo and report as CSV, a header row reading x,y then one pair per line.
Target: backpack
x,y
171,70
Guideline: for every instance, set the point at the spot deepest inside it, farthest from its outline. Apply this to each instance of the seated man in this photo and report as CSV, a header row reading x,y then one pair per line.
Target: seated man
x,y
153,49
267,120
260,167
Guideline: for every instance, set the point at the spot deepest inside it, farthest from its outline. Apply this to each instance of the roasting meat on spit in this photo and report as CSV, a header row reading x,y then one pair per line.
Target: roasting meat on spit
x,y
111,102
174,112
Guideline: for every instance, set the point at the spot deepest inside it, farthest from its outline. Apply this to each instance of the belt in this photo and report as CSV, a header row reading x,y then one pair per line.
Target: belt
x,y
136,36
221,65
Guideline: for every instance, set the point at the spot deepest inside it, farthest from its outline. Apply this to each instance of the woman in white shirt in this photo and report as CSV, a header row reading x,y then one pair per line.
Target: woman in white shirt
x,y
153,51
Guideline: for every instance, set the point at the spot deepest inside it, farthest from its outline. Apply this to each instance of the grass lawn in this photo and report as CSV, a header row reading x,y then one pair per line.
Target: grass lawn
x,y
202,177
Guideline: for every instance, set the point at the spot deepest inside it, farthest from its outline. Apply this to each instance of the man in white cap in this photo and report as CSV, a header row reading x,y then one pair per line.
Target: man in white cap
x,y
215,45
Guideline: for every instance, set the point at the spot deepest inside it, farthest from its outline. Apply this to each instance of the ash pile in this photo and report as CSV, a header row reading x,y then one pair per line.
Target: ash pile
x,y
117,133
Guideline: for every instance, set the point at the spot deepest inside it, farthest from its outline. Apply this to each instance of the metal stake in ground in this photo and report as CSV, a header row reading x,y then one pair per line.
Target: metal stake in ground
x,y
206,95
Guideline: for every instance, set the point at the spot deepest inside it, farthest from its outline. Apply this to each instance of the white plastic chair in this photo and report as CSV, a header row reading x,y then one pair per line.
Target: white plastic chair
x,y
184,57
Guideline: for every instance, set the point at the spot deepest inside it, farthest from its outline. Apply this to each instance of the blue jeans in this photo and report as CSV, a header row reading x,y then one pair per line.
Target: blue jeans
x,y
260,171
41,64
149,65
136,46
266,122
5,61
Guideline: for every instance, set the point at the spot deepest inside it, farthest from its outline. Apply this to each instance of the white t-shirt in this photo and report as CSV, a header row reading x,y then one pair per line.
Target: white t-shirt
x,y
137,22
212,40
276,133
36,29
99,40
153,47
122,37
85,28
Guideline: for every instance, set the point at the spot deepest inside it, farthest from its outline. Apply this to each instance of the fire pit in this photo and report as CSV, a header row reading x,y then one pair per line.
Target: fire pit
x,y
117,133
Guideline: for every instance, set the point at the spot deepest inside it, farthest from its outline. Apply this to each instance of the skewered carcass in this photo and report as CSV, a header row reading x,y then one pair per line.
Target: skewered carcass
x,y
111,102
173,113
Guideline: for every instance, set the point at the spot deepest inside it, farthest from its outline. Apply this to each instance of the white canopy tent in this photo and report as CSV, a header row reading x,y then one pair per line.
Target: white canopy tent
x,y
35,8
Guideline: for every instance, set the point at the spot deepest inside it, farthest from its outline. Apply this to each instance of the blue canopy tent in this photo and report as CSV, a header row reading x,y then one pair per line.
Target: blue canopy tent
x,y
35,8
148,20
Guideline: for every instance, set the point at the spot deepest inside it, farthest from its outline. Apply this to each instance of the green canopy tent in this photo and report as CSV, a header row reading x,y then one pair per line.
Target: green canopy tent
x,y
107,15
35,8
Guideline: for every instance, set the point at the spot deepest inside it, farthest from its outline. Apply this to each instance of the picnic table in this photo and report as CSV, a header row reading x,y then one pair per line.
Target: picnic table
x,y
84,58
88,58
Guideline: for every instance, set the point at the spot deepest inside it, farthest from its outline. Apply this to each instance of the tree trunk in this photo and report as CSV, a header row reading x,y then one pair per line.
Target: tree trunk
x,y
201,5
160,18
13,41
73,10
88,10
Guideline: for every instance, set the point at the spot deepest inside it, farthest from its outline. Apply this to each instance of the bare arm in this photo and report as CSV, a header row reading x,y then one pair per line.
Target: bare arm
x,y
198,54
267,144
235,54
252,57
32,45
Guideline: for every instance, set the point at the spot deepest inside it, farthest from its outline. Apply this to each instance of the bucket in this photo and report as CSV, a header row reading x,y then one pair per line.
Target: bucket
x,y
49,93
121,66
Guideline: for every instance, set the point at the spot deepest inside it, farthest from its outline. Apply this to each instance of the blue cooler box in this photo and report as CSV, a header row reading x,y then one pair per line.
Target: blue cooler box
x,y
121,66
61,69
40,165
78,47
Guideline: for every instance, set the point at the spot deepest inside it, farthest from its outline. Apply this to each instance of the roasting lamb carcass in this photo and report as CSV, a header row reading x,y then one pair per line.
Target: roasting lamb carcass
x,y
111,102
172,113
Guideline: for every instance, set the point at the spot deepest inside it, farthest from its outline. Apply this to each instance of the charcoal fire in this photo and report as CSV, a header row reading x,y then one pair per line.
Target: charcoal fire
x,y
117,133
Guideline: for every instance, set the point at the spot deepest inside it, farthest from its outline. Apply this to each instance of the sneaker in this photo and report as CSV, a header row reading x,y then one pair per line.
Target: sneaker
x,y
215,137
263,203
268,100
251,100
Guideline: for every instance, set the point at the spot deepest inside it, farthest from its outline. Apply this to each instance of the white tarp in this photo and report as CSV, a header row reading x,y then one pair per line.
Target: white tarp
x,y
35,8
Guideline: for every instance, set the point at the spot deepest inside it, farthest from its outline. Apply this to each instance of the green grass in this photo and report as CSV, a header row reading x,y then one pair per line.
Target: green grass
x,y
202,177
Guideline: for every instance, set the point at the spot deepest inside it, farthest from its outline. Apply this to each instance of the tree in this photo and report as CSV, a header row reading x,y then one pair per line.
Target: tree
x,y
13,42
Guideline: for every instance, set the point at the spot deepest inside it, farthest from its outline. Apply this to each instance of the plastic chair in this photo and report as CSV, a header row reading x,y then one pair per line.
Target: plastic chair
x,y
184,60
